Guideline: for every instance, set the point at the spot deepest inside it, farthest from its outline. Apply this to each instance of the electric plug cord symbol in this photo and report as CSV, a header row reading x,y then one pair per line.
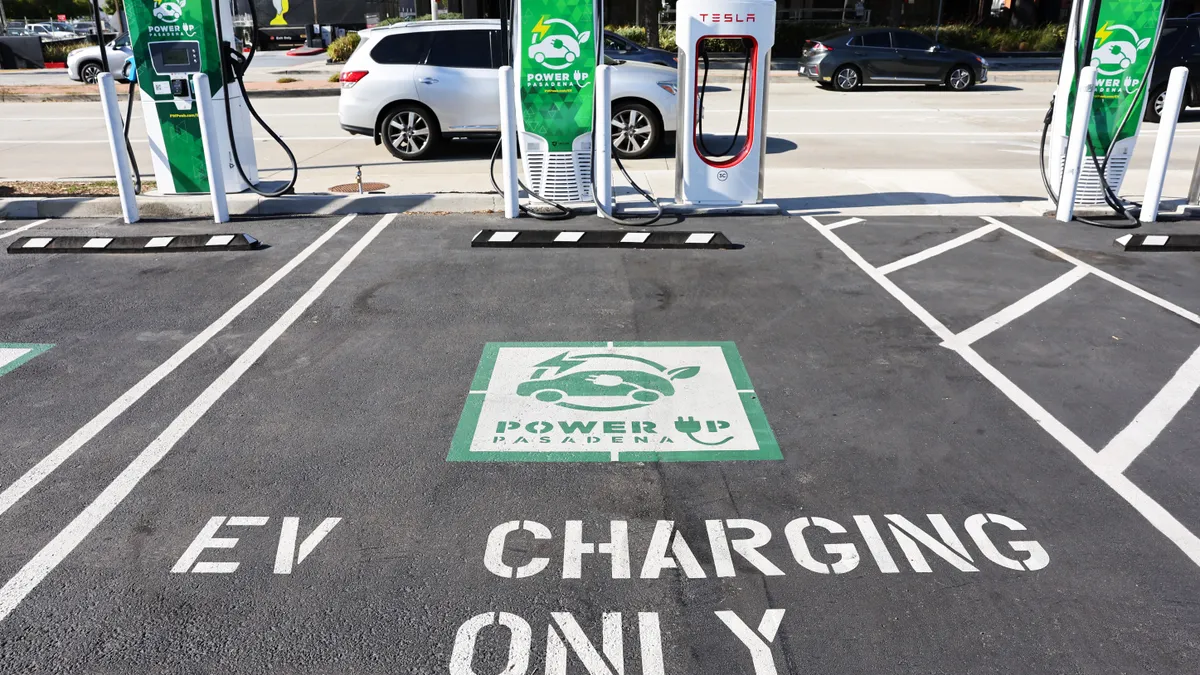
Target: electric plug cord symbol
x,y
691,426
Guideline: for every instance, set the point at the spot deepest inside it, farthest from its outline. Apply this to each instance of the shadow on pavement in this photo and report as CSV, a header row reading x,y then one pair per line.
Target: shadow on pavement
x,y
892,199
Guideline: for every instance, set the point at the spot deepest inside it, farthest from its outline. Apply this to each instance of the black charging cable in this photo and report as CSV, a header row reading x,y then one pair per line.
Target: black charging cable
x,y
137,174
236,67
708,153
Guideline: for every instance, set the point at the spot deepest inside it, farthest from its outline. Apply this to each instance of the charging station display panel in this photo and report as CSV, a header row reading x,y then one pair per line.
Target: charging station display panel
x,y
556,49
172,39
1122,49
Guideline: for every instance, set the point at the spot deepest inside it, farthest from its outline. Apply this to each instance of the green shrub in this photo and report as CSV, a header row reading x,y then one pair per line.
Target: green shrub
x,y
442,16
57,53
341,48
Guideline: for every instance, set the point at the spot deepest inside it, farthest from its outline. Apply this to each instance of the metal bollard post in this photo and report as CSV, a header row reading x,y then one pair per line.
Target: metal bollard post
x,y
116,144
602,171
212,148
1076,143
508,142
1162,145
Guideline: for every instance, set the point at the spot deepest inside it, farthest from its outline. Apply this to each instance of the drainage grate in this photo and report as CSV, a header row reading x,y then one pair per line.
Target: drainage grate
x,y
353,187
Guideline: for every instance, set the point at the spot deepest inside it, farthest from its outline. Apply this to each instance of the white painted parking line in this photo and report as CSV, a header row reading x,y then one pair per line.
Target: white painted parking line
x,y
19,230
46,560
38,242
1019,308
939,249
13,493
1152,511
843,223
1158,413
98,242
158,242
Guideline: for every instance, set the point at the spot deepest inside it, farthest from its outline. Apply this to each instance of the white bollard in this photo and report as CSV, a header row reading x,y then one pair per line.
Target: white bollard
x,y
209,135
1076,144
508,142
116,144
1162,145
602,121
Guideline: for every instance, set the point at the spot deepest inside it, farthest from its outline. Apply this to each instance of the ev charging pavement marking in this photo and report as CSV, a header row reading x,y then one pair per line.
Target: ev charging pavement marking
x,y
46,560
19,230
1019,308
938,250
13,493
1108,465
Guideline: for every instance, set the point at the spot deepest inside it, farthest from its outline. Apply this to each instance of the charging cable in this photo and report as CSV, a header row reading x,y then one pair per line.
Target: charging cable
x,y
708,153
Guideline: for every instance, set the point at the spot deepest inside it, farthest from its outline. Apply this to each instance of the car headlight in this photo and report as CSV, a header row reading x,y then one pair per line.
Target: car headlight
x,y
668,87
982,61
74,52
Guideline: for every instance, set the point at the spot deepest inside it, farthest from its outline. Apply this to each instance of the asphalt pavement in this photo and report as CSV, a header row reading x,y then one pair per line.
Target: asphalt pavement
x,y
881,445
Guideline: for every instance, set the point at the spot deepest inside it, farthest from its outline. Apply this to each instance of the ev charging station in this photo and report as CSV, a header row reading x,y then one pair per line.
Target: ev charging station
x,y
1114,41
554,99
733,176
173,40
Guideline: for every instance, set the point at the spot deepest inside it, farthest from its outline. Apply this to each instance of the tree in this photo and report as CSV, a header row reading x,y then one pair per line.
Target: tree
x,y
41,9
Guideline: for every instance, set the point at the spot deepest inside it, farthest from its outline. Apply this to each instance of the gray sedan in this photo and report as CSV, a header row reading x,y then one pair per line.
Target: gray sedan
x,y
846,61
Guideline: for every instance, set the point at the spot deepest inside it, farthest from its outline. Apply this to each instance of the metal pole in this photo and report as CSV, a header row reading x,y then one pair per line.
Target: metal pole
x,y
1162,145
210,138
1194,190
603,150
116,144
100,35
508,142
3,21
938,31
1075,145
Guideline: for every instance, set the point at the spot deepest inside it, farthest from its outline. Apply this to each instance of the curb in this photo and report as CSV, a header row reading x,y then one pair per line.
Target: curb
x,y
247,205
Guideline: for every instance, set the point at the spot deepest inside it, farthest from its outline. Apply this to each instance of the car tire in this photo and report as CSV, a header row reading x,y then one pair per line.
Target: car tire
x,y
89,71
410,132
1154,105
960,78
847,78
637,130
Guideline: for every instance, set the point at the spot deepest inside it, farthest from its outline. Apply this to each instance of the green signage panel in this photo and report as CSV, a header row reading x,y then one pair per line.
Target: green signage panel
x,y
14,355
556,46
605,401
1122,49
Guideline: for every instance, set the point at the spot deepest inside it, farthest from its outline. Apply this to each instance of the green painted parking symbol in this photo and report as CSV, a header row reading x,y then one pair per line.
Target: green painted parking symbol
x,y
14,355
604,401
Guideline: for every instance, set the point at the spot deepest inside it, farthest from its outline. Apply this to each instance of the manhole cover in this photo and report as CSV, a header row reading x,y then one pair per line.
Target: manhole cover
x,y
353,187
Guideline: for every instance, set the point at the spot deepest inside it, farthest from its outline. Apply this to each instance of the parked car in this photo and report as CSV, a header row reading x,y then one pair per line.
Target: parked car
x,y
1179,45
846,61
47,31
83,28
83,64
412,85
621,49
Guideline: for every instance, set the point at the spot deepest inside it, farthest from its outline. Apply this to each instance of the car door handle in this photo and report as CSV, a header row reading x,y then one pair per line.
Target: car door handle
x,y
860,53
428,80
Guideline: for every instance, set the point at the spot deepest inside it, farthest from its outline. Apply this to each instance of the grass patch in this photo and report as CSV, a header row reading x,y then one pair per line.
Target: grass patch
x,y
286,80
336,77
66,188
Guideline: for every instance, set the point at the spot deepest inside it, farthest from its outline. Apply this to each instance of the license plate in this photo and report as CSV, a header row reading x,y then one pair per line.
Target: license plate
x,y
801,70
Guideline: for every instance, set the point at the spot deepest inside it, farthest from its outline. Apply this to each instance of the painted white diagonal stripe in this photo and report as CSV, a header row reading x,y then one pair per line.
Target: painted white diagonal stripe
x,y
1150,422
98,242
939,249
13,493
699,238
10,354
14,232
46,560
568,236
1019,308
635,238
219,240
38,242
503,236
843,223
159,242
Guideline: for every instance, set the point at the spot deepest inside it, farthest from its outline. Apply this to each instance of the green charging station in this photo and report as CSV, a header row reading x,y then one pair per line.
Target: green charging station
x,y
172,40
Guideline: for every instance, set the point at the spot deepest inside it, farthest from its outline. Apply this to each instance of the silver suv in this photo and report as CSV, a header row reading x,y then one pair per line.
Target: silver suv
x,y
414,85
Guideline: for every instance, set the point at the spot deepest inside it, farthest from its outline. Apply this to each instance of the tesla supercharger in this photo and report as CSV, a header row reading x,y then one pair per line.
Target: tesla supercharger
x,y
732,174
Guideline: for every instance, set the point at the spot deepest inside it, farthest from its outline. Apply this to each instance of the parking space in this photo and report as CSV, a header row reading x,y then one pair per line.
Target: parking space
x,y
884,428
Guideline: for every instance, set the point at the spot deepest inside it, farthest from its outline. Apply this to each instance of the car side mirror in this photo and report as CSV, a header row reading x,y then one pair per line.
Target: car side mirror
x,y
935,48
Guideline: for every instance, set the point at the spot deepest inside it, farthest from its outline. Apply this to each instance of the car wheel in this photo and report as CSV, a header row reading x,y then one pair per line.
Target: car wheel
x,y
410,132
847,78
89,71
548,395
960,78
636,130
1154,106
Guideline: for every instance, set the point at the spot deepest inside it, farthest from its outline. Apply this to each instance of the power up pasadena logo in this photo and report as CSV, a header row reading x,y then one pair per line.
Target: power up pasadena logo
x,y
567,402
556,45
1116,51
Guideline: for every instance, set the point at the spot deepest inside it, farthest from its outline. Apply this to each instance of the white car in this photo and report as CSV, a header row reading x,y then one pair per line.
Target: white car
x,y
413,85
49,32
83,65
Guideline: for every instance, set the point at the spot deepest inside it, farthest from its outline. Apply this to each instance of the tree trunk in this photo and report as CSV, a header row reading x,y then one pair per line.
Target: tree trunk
x,y
653,7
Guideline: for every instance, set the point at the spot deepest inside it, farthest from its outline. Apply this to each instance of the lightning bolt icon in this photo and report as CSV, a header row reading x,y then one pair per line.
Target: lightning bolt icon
x,y
541,28
1104,32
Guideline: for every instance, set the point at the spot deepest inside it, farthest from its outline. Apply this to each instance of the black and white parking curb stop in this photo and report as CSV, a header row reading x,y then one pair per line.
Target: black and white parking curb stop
x,y
1159,242
599,239
171,243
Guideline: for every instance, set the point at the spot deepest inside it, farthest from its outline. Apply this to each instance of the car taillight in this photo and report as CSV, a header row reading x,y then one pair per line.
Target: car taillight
x,y
820,48
350,78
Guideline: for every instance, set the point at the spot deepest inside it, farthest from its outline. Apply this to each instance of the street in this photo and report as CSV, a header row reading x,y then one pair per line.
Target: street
x,y
880,150
908,444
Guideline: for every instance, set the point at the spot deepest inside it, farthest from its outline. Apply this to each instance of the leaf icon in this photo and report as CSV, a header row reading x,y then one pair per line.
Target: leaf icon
x,y
583,37
1143,43
683,373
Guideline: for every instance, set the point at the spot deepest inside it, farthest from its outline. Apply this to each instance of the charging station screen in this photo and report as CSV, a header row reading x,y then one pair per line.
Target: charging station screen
x,y
176,57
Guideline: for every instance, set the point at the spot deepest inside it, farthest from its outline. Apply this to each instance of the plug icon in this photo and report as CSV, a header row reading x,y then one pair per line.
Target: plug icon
x,y
691,427
688,426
